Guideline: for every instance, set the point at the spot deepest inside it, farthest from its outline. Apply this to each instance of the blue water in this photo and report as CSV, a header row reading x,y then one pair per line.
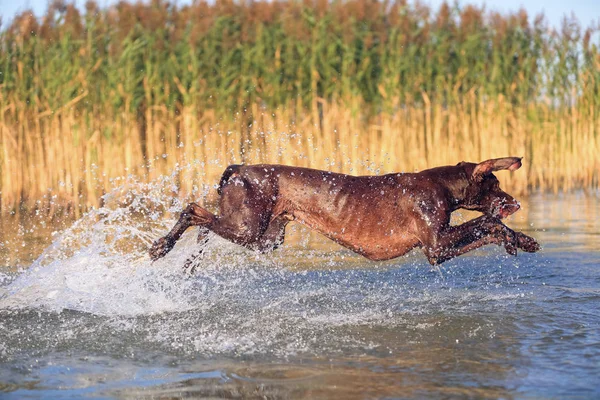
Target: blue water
x,y
92,317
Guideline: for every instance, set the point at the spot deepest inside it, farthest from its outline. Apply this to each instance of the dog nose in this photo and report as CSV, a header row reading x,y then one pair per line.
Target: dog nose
x,y
508,207
511,208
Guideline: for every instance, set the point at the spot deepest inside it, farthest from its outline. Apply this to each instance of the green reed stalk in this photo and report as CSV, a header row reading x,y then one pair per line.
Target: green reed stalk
x,y
356,86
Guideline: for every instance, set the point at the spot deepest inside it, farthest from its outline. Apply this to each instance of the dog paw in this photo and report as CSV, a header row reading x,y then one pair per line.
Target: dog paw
x,y
506,237
160,248
527,243
510,248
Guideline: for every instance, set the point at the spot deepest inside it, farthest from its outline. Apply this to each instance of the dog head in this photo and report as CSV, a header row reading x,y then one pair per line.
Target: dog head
x,y
483,191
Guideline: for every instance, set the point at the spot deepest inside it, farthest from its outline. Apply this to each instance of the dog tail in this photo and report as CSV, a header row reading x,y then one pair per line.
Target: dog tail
x,y
232,169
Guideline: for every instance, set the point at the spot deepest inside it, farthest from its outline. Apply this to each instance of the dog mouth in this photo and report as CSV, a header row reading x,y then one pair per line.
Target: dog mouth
x,y
505,210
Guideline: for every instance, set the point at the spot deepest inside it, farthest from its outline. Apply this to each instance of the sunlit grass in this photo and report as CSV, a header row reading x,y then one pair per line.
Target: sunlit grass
x,y
358,87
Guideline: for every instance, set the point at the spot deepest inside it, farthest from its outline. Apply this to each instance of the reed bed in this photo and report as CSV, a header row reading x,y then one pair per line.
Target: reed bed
x,y
144,90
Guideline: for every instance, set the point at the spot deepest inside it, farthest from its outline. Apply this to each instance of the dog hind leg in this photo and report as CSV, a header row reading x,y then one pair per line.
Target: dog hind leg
x,y
193,215
273,236
244,219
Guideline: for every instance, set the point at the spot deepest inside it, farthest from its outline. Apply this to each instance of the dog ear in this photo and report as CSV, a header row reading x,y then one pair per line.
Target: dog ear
x,y
497,164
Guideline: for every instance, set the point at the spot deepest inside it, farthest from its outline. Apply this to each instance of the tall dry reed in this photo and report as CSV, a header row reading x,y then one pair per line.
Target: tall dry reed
x,y
360,86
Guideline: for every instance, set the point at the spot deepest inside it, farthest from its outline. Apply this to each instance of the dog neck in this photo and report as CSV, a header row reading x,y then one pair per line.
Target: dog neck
x,y
456,181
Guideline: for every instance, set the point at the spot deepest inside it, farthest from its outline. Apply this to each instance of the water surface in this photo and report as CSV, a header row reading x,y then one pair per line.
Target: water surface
x,y
83,313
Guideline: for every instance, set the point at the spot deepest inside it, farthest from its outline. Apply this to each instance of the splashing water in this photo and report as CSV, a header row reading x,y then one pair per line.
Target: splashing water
x,y
95,293
100,266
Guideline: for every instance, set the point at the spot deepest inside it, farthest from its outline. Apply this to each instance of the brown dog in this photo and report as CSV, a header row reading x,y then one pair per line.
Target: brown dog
x,y
379,217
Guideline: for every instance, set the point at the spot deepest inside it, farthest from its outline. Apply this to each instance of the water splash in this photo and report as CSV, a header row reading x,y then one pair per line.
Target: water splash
x,y
99,265
237,302
93,304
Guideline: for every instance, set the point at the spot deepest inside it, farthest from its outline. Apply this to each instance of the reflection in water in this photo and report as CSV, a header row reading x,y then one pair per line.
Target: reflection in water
x,y
92,317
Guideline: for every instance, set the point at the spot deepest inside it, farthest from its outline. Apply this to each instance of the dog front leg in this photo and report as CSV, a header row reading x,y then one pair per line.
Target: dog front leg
x,y
453,241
